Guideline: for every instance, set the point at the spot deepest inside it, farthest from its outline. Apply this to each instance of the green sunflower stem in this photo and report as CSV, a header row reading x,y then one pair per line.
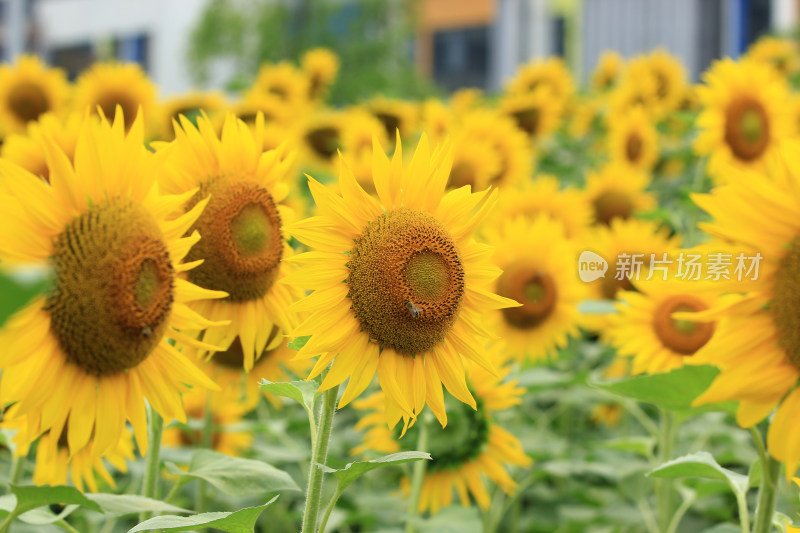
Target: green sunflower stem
x,y
319,455
666,442
153,459
767,493
418,473
207,443
17,468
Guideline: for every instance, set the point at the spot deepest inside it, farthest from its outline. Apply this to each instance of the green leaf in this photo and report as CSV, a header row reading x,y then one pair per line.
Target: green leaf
x,y
675,390
639,445
235,476
30,497
19,289
298,342
241,521
126,504
36,517
597,307
303,392
355,470
702,465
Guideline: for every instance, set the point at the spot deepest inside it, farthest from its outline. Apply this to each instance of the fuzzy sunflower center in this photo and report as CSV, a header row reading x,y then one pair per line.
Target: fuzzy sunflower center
x,y
612,204
785,305
114,285
528,120
390,122
323,141
27,101
129,105
241,241
462,173
747,128
535,290
633,147
681,336
406,281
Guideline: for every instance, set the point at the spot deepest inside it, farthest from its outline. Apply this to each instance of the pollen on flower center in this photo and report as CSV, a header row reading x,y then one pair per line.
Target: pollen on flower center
x,y
27,101
681,336
535,290
528,120
612,204
785,305
747,128
406,281
241,242
633,147
114,285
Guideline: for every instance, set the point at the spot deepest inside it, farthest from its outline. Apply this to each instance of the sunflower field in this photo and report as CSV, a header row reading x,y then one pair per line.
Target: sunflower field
x,y
562,308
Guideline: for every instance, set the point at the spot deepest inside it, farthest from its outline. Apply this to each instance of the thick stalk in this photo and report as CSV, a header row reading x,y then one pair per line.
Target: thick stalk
x,y
152,461
418,474
666,441
767,494
319,456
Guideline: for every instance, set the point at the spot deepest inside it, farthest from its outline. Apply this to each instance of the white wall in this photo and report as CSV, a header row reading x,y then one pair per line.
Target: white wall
x,y
166,22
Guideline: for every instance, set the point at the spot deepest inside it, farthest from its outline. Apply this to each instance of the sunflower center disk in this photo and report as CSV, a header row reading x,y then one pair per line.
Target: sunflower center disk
x,y
27,101
747,129
406,281
113,288
612,204
233,357
241,241
535,290
681,336
785,305
324,141
528,121
109,102
461,174
611,285
633,148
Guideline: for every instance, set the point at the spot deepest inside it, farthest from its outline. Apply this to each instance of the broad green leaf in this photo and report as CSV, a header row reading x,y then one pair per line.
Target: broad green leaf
x,y
701,465
454,519
241,521
125,504
675,390
30,497
298,342
36,517
235,476
303,392
639,445
355,470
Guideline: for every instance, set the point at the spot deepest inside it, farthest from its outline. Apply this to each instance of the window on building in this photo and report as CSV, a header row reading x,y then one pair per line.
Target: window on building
x,y
461,58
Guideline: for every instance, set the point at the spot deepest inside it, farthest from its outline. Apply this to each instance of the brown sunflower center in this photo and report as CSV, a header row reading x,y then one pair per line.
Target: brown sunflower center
x,y
633,147
535,290
528,120
278,91
681,336
612,204
406,281
233,357
747,128
611,285
390,122
27,101
130,106
462,173
113,290
785,305
323,141
241,241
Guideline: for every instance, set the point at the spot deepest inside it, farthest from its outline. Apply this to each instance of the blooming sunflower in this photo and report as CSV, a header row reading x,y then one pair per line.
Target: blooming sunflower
x,y
633,140
243,241
475,163
359,128
395,115
437,119
321,66
544,196
321,135
746,118
781,54
550,74
111,85
225,415
536,113
275,127
669,76
190,105
607,72
28,90
415,285
616,191
759,354
284,81
538,265
646,330
472,447
82,359
28,150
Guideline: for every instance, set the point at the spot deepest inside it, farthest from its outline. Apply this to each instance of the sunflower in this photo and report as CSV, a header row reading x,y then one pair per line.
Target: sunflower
x,y
538,265
28,150
243,241
415,286
759,353
646,330
471,448
607,72
670,79
550,74
498,133
467,99
475,163
781,54
746,118
617,192
536,113
634,92
275,114
544,196
359,128
321,135
28,90
320,66
226,414
437,120
111,85
82,359
190,105
395,115
284,81
633,140
585,118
